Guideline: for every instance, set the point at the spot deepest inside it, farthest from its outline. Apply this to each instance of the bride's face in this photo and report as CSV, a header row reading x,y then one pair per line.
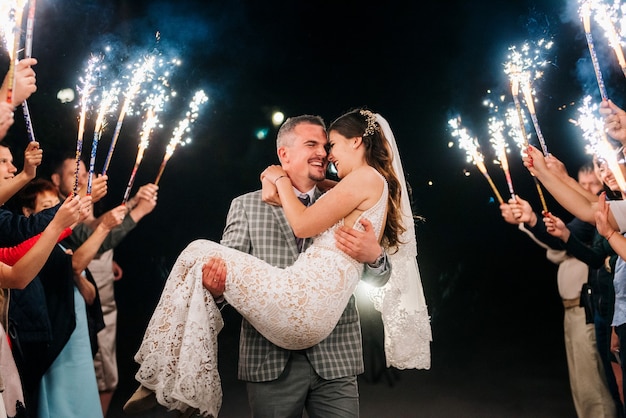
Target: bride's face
x,y
340,153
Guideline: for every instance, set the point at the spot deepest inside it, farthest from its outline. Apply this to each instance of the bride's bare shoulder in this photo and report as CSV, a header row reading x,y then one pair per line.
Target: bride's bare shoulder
x,y
368,174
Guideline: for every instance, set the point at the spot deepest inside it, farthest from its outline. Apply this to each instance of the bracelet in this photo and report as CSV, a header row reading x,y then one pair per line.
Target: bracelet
x,y
610,235
278,178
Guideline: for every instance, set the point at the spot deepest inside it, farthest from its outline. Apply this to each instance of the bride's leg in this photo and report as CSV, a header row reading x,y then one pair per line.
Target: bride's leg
x,y
178,354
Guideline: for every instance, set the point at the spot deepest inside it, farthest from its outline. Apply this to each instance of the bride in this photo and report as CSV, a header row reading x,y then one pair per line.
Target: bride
x,y
298,306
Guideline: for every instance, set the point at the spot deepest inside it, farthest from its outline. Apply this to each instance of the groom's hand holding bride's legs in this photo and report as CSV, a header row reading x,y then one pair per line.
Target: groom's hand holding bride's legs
x,y
214,277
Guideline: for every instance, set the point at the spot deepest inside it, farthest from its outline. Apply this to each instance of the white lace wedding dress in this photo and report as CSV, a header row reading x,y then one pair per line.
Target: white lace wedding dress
x,y
295,308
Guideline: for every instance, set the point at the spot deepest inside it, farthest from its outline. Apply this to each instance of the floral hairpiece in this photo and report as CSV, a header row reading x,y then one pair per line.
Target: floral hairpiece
x,y
371,122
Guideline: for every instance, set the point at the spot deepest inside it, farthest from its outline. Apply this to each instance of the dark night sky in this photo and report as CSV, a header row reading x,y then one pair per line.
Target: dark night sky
x,y
415,67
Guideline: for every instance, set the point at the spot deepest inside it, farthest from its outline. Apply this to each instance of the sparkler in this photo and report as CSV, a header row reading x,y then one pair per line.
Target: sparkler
x,y
154,104
183,126
528,98
522,138
472,148
585,14
140,75
28,49
598,144
107,104
17,35
85,92
496,127
523,68
603,18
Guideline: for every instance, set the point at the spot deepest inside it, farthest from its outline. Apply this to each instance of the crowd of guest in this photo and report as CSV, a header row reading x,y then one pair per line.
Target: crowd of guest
x,y
57,270
590,251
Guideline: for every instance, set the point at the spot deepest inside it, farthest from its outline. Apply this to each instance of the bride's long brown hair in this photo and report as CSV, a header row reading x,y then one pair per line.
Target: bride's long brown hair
x,y
362,122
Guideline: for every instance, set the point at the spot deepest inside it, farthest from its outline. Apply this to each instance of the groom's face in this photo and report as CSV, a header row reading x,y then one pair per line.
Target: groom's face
x,y
305,159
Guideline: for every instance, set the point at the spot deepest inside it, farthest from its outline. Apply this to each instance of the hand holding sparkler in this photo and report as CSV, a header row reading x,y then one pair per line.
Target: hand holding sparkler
x,y
33,155
614,120
143,202
518,211
556,227
99,187
24,82
604,225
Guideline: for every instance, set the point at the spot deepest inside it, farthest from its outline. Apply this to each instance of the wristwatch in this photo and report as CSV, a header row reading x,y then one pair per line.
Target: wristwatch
x,y
379,261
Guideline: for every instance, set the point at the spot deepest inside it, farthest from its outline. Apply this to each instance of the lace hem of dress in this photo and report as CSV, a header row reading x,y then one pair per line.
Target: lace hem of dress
x,y
404,314
178,356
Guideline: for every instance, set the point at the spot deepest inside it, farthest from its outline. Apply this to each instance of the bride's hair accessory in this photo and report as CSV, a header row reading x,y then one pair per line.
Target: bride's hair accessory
x,y
372,126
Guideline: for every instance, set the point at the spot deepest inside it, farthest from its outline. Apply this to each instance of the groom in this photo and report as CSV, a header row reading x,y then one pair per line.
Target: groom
x,y
322,379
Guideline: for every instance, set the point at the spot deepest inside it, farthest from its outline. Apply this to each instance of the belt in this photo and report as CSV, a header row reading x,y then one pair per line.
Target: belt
x,y
571,303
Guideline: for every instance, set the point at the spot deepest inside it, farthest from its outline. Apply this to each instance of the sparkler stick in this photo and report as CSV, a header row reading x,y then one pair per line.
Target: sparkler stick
x,y
523,68
585,14
85,92
499,145
17,36
148,125
183,126
154,104
523,138
604,20
28,49
528,98
139,76
106,104
30,23
472,148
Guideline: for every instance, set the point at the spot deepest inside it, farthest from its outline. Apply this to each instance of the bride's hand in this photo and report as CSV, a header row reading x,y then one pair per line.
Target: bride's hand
x,y
273,173
269,192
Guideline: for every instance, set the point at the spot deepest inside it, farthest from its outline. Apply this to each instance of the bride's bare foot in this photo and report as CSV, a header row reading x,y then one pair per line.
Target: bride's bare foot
x,y
142,400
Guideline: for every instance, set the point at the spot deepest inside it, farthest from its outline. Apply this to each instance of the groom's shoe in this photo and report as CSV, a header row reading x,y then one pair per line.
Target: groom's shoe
x,y
142,400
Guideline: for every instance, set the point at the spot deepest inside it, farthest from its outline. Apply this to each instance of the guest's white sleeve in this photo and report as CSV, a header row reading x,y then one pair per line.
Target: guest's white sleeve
x,y
618,208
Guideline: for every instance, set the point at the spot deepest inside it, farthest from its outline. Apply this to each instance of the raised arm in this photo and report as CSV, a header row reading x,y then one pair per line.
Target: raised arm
x,y
86,252
614,120
357,191
26,268
32,159
608,231
574,202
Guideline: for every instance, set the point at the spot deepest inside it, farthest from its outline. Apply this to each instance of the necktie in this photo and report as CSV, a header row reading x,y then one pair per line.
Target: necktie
x,y
305,201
